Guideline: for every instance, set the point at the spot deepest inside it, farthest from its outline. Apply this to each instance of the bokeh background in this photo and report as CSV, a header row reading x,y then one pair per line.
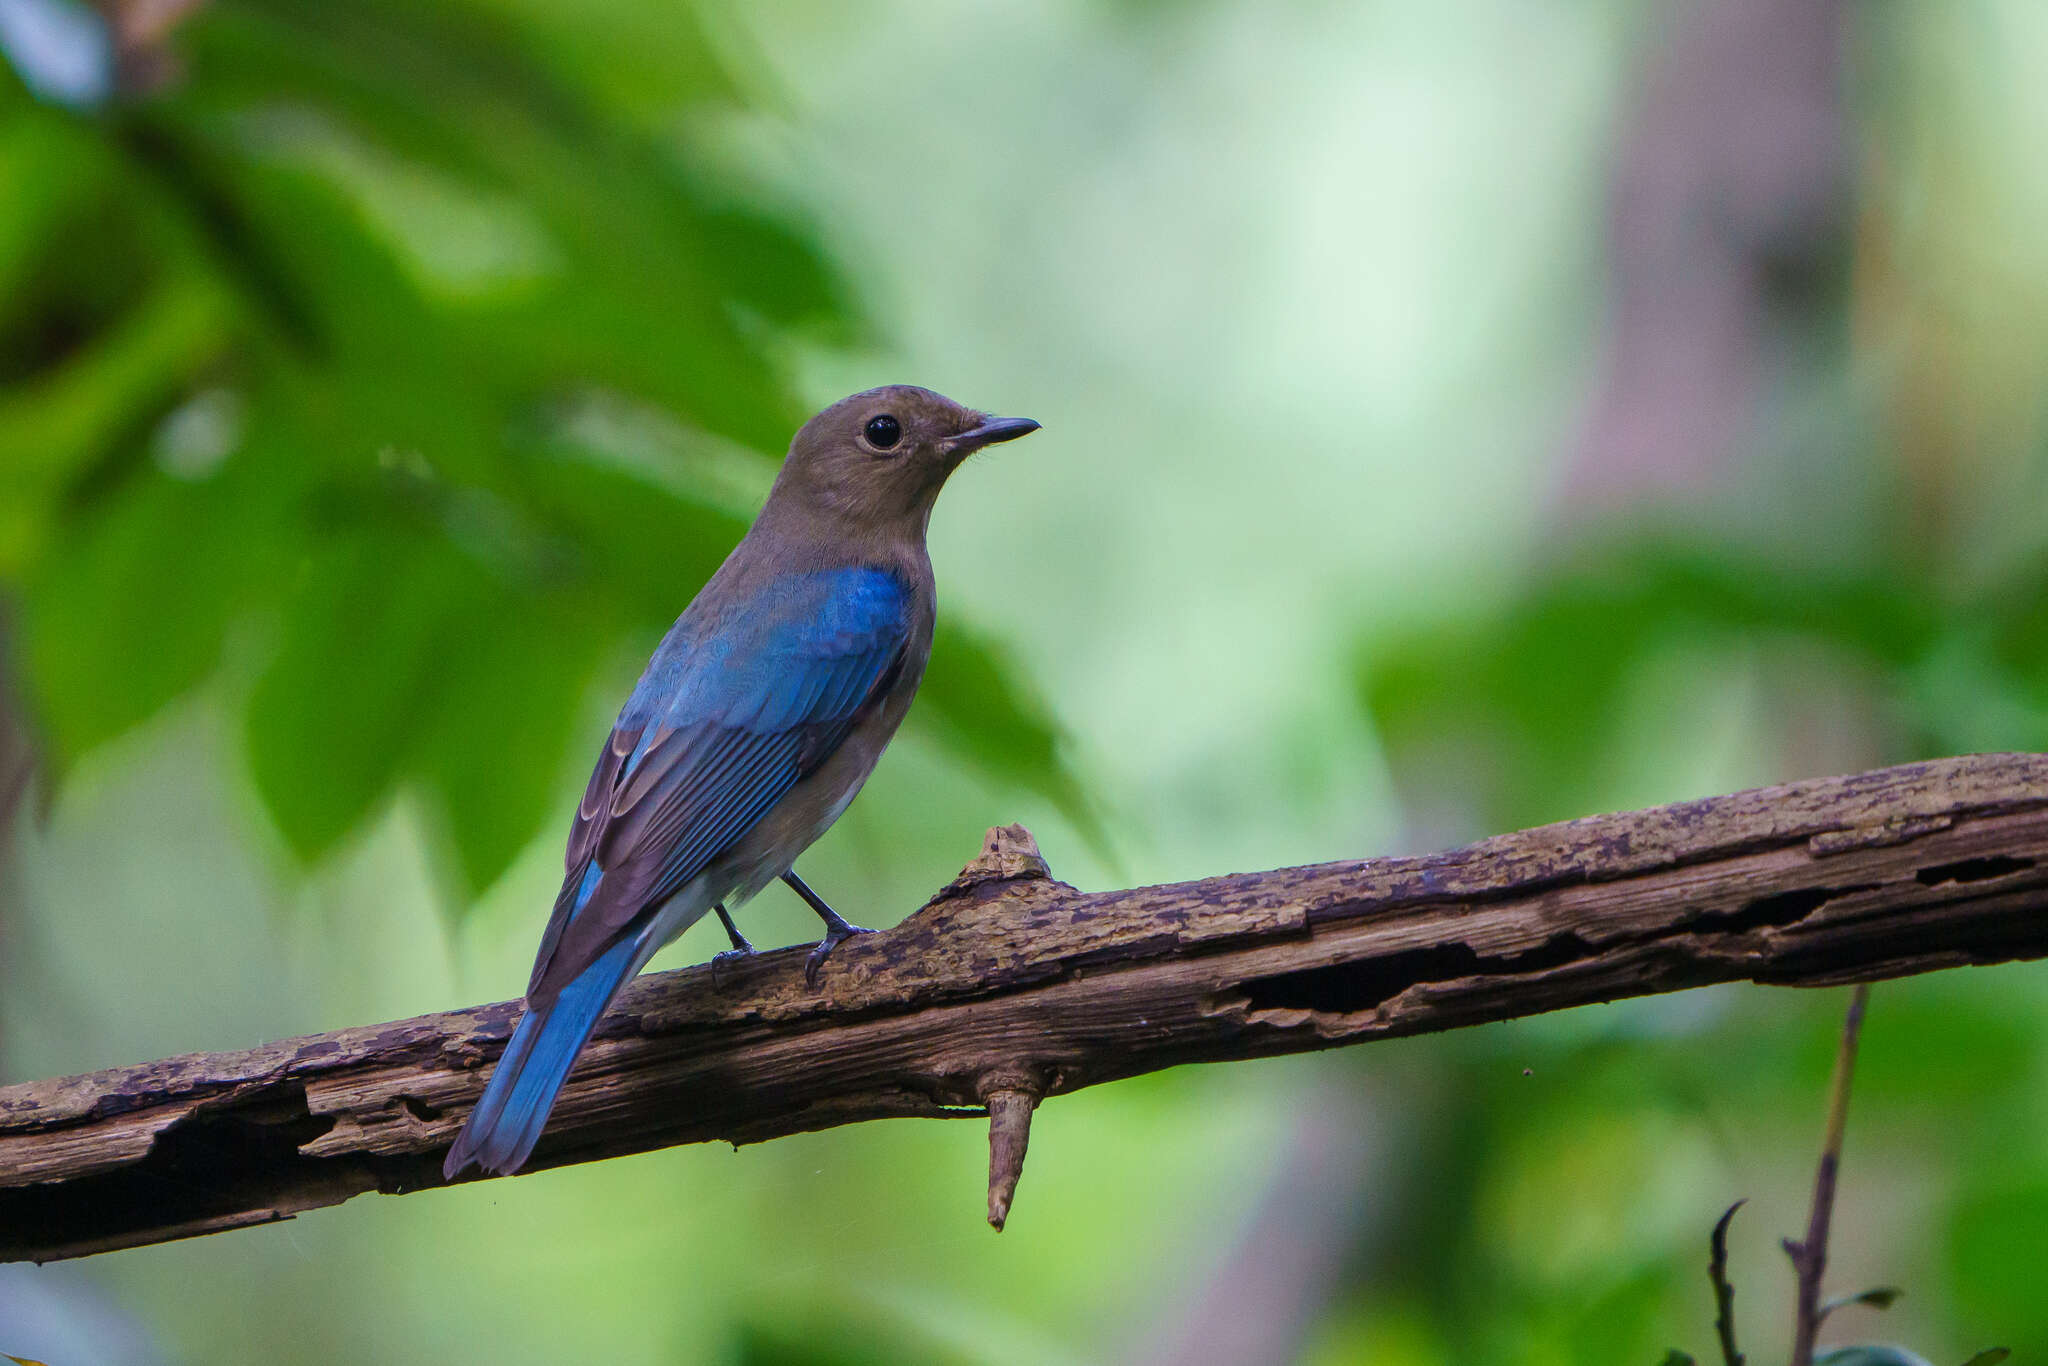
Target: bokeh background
x,y
1457,416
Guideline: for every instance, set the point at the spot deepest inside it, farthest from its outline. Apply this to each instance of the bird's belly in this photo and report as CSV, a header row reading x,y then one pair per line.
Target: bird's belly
x,y
767,851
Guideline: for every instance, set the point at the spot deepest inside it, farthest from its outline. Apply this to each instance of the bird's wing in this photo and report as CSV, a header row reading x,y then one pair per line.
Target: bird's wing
x,y
720,728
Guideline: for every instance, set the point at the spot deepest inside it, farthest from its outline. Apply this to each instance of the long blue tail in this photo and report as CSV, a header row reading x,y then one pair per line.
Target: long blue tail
x,y
507,1122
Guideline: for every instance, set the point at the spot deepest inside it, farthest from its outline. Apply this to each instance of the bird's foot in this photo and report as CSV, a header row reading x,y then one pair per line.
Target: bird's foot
x,y
837,932
741,947
725,958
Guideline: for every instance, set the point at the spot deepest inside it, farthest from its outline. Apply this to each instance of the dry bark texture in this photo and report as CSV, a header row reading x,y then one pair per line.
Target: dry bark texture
x,y
1010,985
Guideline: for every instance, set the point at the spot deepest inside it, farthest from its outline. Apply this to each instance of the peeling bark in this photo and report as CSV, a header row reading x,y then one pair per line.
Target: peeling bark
x,y
1009,982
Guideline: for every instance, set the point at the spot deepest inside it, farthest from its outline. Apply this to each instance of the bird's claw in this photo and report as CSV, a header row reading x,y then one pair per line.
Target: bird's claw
x,y
727,957
834,936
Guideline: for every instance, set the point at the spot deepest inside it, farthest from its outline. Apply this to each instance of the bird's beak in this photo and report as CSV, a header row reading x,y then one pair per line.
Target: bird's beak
x,y
989,432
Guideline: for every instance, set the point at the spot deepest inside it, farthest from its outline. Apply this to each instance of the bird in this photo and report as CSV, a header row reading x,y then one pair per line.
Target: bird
x,y
755,723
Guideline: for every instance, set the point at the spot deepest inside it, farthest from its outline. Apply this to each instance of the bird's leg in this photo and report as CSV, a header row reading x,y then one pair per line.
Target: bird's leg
x,y
740,947
732,931
837,931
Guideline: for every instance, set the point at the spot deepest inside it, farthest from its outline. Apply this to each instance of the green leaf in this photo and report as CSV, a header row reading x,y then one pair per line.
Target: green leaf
x,y
1677,1358
1990,1356
105,320
334,717
1881,1297
73,414
513,672
1868,1355
131,609
54,170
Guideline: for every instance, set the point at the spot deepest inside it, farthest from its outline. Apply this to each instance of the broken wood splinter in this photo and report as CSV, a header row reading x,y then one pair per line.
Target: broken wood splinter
x,y
1010,1104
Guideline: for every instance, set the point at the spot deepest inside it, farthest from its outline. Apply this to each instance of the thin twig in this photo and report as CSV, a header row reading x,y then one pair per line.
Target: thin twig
x,y
1810,1257
1724,1291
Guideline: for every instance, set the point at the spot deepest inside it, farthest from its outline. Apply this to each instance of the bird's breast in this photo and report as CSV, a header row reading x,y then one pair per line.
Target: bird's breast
x,y
821,796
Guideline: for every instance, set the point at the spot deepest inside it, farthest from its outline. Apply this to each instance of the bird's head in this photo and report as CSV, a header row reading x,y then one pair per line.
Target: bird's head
x,y
880,457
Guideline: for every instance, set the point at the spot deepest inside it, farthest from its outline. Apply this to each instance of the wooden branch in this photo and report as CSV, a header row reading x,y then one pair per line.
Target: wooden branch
x,y
1008,986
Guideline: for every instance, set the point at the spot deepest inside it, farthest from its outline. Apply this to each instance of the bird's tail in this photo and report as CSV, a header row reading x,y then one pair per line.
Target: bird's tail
x,y
507,1121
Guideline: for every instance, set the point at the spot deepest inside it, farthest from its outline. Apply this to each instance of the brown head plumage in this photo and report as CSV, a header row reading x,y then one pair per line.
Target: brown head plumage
x,y
880,457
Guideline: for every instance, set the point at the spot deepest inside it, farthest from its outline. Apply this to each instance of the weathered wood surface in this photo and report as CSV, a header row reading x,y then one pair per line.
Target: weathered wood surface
x,y
1008,983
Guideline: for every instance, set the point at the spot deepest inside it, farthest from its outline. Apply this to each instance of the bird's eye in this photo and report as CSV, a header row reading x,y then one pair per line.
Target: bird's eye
x,y
884,432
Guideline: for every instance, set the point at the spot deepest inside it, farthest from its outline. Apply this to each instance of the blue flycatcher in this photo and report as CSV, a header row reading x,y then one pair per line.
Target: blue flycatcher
x,y
758,719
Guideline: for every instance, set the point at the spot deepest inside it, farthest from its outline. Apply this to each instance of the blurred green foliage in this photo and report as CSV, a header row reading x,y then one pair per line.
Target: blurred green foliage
x,y
1537,687
388,352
